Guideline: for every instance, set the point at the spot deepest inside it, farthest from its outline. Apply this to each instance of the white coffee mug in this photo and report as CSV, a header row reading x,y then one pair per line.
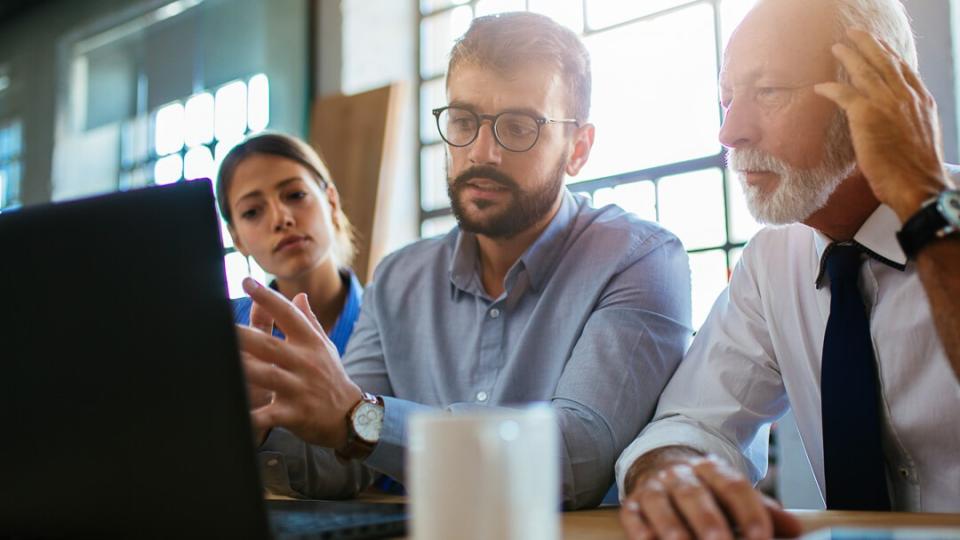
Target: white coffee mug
x,y
485,475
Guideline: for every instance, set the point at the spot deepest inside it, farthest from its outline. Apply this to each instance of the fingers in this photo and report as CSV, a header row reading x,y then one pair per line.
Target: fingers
x,y
303,304
291,321
658,511
268,376
844,95
882,59
633,523
785,524
265,347
738,497
863,76
261,318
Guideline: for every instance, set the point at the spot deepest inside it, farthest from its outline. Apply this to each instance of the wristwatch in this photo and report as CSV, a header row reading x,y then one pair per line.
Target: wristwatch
x,y
938,217
364,423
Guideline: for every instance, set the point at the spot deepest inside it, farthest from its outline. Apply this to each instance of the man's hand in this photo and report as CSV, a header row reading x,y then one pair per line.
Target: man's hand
x,y
312,394
674,493
893,123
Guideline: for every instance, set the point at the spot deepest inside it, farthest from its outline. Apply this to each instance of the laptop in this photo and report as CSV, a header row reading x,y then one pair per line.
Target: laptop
x,y
123,409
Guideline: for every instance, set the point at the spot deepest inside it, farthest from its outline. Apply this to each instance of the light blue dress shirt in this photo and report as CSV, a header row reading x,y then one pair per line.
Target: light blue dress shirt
x,y
594,320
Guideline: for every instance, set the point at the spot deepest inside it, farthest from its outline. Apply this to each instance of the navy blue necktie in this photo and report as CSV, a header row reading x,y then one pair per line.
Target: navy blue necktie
x,y
854,468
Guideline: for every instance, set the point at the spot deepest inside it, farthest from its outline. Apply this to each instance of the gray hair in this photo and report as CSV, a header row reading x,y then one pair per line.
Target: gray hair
x,y
886,19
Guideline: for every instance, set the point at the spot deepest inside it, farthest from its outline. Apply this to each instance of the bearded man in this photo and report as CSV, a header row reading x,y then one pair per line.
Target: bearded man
x,y
845,310
534,297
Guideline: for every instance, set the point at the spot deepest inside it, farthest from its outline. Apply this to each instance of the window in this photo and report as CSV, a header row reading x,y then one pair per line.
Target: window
x,y
189,139
655,66
11,150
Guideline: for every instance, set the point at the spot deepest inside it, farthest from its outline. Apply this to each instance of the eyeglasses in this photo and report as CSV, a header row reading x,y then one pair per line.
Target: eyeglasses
x,y
515,131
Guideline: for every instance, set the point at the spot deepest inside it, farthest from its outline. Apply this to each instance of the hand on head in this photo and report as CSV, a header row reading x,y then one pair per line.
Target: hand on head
x,y
675,493
312,394
893,123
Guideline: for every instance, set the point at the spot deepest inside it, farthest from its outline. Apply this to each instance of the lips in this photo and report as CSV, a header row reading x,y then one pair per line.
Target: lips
x,y
290,241
486,185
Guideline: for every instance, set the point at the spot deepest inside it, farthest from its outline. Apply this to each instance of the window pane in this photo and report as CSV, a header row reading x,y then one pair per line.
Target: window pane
x,y
601,13
489,7
691,206
231,111
569,13
742,224
198,163
437,34
432,95
258,102
235,265
15,140
168,132
437,226
3,186
708,276
225,235
168,169
429,6
655,93
637,197
433,178
199,117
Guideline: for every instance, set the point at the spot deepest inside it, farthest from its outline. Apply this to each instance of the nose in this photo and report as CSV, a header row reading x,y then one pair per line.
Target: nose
x,y
739,127
485,150
281,216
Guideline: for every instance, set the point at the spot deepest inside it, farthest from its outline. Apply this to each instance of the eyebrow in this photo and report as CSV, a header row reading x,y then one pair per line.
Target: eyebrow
x,y
279,185
524,110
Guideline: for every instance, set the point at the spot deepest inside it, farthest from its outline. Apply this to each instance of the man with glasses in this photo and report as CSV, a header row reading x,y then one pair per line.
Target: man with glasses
x,y
834,313
534,297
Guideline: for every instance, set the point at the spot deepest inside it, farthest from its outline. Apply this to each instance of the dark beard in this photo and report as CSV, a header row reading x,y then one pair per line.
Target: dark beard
x,y
523,211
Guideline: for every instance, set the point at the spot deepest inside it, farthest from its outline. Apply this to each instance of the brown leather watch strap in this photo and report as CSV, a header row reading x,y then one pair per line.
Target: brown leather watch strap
x,y
356,447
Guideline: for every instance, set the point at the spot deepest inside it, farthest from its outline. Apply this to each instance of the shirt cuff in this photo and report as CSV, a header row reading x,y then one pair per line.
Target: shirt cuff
x,y
389,454
673,433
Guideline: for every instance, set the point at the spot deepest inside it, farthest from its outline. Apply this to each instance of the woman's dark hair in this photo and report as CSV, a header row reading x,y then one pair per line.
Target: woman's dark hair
x,y
292,148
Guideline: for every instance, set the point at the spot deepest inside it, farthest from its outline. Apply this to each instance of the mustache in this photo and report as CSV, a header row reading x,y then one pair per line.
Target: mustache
x,y
751,159
486,172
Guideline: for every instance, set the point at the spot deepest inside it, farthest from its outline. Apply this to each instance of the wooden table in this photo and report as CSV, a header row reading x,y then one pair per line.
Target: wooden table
x,y
603,523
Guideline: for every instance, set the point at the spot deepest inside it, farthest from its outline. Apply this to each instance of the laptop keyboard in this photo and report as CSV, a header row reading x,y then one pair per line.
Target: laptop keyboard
x,y
368,523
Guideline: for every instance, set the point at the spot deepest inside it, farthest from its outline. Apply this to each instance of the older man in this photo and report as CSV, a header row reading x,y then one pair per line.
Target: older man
x,y
836,313
536,296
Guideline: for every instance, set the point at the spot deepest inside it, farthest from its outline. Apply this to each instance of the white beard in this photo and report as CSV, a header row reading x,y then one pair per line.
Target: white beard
x,y
800,192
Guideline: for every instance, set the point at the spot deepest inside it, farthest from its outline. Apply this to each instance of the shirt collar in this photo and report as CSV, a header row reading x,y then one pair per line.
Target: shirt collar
x,y
877,237
538,260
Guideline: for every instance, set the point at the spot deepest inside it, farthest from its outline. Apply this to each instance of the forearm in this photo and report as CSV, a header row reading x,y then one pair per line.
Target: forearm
x,y
937,267
291,467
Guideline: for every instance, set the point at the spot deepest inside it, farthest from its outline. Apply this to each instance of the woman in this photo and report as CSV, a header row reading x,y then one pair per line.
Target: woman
x,y
282,209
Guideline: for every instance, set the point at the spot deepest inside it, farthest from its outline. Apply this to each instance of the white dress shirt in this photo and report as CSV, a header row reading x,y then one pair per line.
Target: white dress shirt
x,y
759,352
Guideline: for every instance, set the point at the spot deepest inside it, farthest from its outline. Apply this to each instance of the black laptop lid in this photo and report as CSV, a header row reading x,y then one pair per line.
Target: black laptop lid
x,y
122,406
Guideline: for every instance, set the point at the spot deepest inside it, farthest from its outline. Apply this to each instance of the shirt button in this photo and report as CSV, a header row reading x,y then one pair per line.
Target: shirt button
x,y
494,313
481,396
272,463
905,473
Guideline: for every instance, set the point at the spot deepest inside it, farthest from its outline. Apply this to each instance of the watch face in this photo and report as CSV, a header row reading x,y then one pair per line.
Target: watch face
x,y
949,206
367,422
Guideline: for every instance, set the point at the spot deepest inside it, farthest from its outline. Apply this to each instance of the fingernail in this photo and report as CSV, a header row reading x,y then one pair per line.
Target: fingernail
x,y
713,534
756,532
250,284
632,506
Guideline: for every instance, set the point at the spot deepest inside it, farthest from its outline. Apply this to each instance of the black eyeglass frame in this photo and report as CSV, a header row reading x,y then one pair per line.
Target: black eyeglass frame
x,y
494,118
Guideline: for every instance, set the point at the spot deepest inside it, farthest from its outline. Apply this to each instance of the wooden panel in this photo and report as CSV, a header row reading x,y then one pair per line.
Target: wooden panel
x,y
357,136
